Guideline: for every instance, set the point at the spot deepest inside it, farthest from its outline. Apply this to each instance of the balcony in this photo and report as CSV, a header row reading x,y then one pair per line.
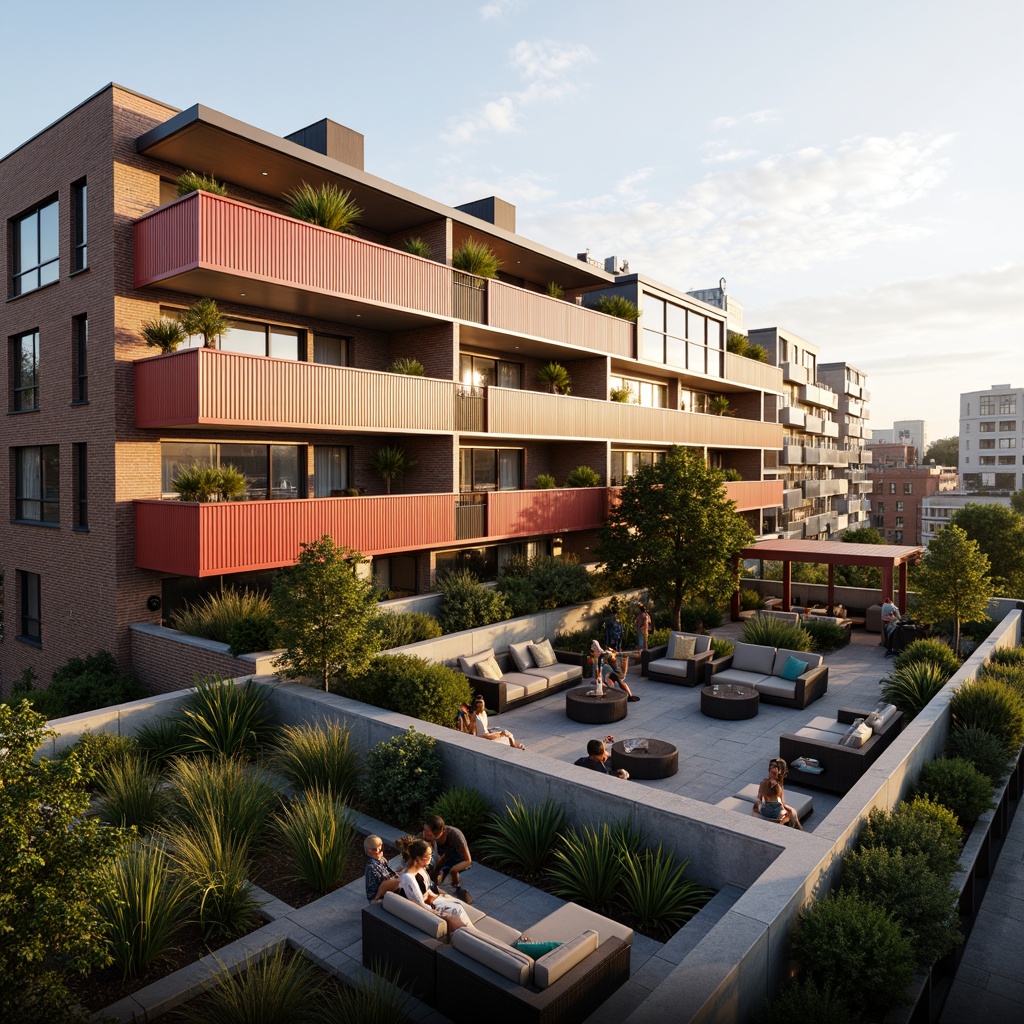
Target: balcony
x,y
740,370
794,373
754,494
824,488
792,498
790,416
830,428
815,394
209,245
190,539
814,424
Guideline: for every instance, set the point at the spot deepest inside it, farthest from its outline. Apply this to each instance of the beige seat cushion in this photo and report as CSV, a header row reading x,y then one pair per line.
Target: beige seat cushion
x,y
556,674
572,919
499,956
668,667
412,913
551,966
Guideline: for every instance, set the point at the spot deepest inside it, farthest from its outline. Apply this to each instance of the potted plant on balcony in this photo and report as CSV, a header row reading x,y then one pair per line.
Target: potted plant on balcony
x,y
555,290
417,246
476,258
623,394
327,206
391,462
205,318
189,182
555,377
408,365
165,334
733,475
718,405
618,305
544,482
583,476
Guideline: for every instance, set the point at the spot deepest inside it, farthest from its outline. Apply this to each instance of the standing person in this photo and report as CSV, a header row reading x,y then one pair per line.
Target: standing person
x,y
890,619
612,632
481,727
643,626
597,754
610,671
452,852
380,876
414,884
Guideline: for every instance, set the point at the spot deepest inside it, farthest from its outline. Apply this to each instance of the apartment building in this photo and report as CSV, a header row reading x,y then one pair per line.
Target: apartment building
x,y
904,432
889,454
898,497
992,440
937,509
850,385
818,496
298,393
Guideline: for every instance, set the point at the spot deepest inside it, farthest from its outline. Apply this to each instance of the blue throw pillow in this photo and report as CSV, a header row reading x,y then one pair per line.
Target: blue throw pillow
x,y
794,669
537,949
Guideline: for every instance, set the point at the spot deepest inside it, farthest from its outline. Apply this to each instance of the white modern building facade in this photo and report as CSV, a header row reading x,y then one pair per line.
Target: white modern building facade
x,y
992,440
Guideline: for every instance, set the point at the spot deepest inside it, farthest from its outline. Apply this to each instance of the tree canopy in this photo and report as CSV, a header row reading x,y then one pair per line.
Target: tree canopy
x,y
51,880
999,532
945,451
1017,502
325,613
952,581
674,531
860,575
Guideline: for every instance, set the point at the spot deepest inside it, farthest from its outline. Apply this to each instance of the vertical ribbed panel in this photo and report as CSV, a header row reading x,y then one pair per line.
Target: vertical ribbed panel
x,y
167,389
527,513
203,540
167,241
754,494
752,373
531,413
515,309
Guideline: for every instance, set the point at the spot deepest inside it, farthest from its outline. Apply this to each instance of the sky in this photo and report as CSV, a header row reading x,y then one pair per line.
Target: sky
x,y
852,171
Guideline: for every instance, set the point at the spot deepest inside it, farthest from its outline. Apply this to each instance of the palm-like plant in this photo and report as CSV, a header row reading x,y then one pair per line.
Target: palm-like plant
x,y
189,182
524,836
555,290
912,686
165,334
555,377
408,365
227,719
231,484
391,462
656,893
205,318
327,206
617,305
476,258
417,246
583,476
585,868
718,405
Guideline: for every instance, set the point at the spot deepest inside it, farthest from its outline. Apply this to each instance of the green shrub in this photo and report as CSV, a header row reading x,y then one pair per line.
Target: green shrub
x,y
544,482
398,629
131,793
407,365
253,633
981,749
465,808
403,777
523,837
86,684
319,835
913,686
143,908
163,740
190,181
955,783
854,945
723,648
96,751
750,599
417,246
585,867
1011,676
916,826
920,901
583,476
576,640
544,581
1007,656
467,603
197,482
318,756
412,686
520,595
766,631
699,615
165,334
991,706
933,651
655,892
802,1002
213,615
227,718
475,257
617,305
657,637
825,636
555,378
327,206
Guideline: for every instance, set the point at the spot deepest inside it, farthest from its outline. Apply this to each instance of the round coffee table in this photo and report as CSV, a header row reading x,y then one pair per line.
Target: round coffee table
x,y
729,701
580,706
658,761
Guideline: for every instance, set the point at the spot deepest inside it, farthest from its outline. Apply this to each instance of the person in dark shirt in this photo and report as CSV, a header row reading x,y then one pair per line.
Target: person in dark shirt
x,y
452,853
597,754
379,876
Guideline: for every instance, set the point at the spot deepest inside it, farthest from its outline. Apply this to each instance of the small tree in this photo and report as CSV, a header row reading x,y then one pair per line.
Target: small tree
x,y
391,462
945,451
1017,502
324,613
51,873
555,377
165,334
205,318
675,532
953,581
999,532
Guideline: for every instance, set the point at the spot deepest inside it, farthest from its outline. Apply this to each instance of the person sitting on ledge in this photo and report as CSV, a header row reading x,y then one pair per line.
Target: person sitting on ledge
x,y
597,754
777,772
379,876
769,803
480,725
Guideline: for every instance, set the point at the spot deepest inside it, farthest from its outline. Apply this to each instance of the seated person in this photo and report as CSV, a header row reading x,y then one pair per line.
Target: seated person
x,y
414,884
769,803
380,876
890,620
777,772
610,671
597,754
452,853
478,720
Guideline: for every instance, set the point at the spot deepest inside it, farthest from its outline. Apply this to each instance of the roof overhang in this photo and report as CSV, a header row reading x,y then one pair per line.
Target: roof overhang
x,y
832,552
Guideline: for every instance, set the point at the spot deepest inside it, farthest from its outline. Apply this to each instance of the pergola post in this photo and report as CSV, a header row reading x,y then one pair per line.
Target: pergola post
x,y
887,587
787,585
903,588
831,587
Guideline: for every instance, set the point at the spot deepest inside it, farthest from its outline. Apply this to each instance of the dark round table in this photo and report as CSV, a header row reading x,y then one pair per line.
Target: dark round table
x,y
581,707
729,701
658,761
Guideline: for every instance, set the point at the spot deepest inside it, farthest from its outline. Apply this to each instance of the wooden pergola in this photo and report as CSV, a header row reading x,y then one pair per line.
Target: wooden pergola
x,y
887,557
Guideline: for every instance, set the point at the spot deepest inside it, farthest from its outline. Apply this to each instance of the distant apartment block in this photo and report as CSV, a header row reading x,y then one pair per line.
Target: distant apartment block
x,y
992,440
937,509
301,392
853,412
899,492
889,454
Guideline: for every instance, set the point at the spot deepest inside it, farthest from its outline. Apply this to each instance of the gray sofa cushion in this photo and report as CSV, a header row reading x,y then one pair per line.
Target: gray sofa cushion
x,y
668,667
802,803
782,656
738,678
752,658
556,674
571,919
521,656
773,686
468,661
551,966
412,913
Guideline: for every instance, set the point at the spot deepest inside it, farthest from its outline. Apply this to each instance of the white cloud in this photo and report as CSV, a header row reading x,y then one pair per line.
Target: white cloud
x,y
499,8
545,68
729,156
517,189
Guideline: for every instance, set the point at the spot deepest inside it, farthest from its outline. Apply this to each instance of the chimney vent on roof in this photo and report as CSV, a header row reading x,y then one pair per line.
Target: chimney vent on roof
x,y
333,140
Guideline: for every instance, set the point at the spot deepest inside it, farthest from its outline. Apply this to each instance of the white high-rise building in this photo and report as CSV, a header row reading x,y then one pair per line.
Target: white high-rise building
x,y
992,439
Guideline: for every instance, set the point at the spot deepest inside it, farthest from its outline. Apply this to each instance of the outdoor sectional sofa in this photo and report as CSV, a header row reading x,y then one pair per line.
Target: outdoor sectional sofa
x,y
522,680
841,765
480,975
660,666
763,667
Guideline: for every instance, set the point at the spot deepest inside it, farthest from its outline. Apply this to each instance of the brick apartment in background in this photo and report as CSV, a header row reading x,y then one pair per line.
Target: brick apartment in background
x,y
899,490
297,395
992,440
823,455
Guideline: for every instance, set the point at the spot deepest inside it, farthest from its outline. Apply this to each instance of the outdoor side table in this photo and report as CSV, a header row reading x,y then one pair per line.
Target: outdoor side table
x,y
729,701
658,761
580,706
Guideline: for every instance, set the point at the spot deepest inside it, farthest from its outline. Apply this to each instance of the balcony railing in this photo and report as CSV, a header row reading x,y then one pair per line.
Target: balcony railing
x,y
203,232
752,373
754,494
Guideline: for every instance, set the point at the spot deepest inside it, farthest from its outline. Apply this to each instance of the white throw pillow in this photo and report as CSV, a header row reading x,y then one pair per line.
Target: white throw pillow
x,y
521,655
543,654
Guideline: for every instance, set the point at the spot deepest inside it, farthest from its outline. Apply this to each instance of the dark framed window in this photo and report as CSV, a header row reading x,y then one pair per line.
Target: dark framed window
x,y
490,469
37,483
81,487
908,488
25,372
892,488
252,338
31,607
330,470
80,359
330,350
36,248
80,225
270,470
482,372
